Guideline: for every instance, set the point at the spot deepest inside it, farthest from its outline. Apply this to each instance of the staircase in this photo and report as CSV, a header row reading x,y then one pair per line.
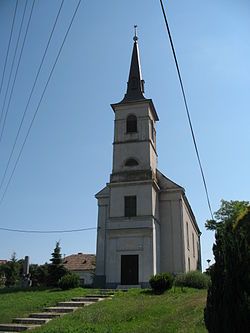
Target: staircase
x,y
63,308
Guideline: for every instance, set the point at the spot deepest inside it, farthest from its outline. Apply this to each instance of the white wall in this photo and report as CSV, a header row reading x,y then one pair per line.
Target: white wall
x,y
103,214
190,234
140,145
172,259
129,242
143,192
87,276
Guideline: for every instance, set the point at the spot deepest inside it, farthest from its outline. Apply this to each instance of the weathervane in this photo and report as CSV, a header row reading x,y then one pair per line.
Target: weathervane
x,y
135,37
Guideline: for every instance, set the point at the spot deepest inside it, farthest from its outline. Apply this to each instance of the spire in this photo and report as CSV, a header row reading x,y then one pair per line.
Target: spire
x,y
135,85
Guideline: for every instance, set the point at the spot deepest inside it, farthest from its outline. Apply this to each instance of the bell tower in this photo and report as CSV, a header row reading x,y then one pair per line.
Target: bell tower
x,y
134,146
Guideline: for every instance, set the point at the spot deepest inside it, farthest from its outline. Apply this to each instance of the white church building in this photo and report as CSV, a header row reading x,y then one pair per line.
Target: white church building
x,y
145,222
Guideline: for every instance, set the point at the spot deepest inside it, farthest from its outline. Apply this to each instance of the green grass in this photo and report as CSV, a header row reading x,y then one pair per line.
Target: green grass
x,y
137,311
21,303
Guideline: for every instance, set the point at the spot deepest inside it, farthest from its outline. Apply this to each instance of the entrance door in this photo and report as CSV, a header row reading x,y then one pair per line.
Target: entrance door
x,y
129,269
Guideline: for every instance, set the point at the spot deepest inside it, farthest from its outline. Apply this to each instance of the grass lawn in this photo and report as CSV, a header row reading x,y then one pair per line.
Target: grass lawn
x,y
137,311
21,303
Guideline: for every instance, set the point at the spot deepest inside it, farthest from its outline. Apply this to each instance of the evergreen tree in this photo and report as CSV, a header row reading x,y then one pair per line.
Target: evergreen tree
x,y
13,271
56,270
228,300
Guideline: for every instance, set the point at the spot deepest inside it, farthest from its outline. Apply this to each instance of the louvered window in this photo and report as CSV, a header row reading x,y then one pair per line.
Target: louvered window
x,y
131,124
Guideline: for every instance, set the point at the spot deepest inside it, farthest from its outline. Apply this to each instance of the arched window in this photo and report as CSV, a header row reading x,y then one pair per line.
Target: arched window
x,y
131,162
131,124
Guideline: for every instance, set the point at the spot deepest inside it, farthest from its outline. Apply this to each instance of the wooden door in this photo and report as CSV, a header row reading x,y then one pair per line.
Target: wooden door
x,y
129,269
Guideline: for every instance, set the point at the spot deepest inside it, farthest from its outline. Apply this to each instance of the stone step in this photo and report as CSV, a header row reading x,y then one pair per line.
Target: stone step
x,y
31,321
99,296
107,291
123,287
37,319
85,299
71,304
16,327
46,315
88,303
61,309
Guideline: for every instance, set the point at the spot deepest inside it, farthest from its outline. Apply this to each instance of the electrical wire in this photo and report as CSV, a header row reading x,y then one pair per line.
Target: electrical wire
x,y
7,53
11,69
47,231
39,103
17,68
187,109
30,95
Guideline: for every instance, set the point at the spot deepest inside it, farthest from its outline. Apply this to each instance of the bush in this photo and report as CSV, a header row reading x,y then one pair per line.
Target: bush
x,y
161,282
69,281
194,279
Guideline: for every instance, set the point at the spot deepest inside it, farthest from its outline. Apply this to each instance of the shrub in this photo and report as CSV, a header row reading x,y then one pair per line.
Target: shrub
x,y
161,282
194,279
69,281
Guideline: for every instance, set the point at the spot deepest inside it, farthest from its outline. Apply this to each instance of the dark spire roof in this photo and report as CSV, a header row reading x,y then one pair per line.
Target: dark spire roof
x,y
135,88
135,85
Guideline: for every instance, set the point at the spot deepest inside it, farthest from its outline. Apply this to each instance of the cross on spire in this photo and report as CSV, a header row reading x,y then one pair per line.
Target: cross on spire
x,y
135,36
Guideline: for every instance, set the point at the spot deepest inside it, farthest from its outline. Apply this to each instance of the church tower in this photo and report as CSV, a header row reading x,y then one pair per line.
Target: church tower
x,y
132,207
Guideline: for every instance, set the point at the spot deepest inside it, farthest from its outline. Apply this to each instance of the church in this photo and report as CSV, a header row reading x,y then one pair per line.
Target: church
x,y
145,222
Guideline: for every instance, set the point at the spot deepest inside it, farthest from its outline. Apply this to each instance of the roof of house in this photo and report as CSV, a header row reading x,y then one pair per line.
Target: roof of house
x,y
79,262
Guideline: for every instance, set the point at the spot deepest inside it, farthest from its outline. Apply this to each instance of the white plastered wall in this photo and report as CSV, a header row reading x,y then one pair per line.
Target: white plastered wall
x,y
172,252
191,240
129,242
143,192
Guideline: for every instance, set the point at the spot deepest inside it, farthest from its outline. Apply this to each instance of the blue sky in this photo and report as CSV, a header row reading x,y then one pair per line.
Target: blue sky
x,y
68,156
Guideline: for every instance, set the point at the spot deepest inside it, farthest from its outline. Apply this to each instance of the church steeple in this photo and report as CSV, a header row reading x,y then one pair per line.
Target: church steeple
x,y
135,85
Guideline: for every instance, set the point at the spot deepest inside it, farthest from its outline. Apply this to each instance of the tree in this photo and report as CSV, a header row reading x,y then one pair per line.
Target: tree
x,y
56,270
228,300
39,274
11,271
227,213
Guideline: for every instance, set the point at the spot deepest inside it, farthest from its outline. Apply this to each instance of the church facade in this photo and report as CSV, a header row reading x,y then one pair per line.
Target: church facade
x,y
145,222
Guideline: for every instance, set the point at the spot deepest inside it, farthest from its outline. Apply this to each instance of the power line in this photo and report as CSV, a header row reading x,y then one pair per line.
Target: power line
x,y
187,109
18,64
30,95
47,231
7,53
39,103
11,69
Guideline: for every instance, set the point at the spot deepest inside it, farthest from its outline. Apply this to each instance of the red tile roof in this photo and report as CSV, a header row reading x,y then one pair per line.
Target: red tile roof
x,y
79,262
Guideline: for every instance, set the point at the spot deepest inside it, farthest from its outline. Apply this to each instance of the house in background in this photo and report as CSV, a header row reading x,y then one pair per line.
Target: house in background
x,y
145,222
82,265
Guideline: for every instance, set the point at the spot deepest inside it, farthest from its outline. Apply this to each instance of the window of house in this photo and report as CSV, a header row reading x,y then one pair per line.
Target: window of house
x,y
131,162
187,235
130,206
189,264
131,124
193,244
